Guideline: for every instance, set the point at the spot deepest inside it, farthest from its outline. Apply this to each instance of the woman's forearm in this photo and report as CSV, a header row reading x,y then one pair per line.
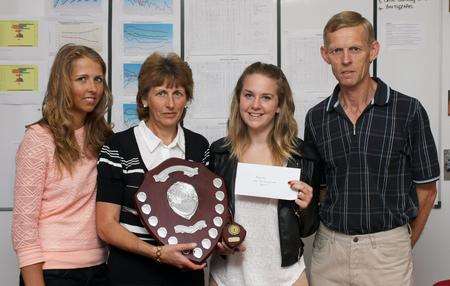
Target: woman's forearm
x,y
33,275
112,232
115,234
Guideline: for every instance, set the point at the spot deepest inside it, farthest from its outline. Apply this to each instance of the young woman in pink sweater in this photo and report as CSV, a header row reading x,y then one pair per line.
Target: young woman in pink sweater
x,y
53,226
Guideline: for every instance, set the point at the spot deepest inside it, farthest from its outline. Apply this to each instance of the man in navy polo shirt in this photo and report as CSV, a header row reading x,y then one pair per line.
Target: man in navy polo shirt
x,y
379,166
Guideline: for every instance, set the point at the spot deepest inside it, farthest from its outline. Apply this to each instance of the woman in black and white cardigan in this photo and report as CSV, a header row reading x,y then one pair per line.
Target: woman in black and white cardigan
x,y
165,87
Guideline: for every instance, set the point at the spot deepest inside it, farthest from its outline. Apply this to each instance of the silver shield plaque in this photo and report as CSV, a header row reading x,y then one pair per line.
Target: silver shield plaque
x,y
183,199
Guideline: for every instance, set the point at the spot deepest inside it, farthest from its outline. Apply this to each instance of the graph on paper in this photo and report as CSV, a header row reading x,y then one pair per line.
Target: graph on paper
x,y
76,4
87,34
18,78
130,78
141,39
18,33
130,116
149,7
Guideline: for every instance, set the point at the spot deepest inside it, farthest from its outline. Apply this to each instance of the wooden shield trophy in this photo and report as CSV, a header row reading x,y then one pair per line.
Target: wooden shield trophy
x,y
183,202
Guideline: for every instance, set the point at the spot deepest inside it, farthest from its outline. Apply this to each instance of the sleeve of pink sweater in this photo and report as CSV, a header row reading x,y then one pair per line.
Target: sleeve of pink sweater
x,y
31,170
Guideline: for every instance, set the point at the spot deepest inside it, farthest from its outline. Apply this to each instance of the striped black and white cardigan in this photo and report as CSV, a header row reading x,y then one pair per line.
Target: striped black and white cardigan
x,y
121,172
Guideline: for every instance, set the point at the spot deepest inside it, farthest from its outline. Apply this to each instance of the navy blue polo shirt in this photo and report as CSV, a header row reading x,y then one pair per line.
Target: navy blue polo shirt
x,y
371,168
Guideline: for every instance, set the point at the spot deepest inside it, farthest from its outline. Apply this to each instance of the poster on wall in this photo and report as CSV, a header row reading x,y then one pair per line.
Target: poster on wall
x,y
15,33
222,39
87,33
18,78
143,38
75,7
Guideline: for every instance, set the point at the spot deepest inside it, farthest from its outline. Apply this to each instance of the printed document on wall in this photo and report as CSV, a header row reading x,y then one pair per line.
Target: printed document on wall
x,y
222,39
309,76
231,27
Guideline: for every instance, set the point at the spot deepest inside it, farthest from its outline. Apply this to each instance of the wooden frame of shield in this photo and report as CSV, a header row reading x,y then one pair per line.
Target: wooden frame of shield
x,y
183,202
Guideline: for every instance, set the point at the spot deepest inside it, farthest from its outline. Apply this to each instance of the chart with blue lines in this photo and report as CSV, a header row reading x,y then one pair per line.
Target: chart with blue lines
x,y
141,39
74,4
154,7
130,116
130,77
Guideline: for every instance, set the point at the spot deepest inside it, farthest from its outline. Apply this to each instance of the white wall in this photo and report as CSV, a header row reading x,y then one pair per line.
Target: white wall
x,y
9,272
432,252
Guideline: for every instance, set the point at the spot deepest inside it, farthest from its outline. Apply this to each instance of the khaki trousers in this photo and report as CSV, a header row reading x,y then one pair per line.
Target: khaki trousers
x,y
301,281
382,258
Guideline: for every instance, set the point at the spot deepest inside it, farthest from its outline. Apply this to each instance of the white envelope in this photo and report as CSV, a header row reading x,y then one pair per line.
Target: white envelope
x,y
265,181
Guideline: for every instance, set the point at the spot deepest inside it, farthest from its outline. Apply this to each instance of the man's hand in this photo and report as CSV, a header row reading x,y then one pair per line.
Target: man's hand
x,y
426,193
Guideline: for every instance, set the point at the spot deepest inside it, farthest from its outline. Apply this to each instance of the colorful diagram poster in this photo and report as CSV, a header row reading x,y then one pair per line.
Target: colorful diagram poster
x,y
18,33
19,78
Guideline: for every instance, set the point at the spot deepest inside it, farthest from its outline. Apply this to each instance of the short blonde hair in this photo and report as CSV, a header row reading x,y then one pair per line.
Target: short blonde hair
x,y
283,136
347,19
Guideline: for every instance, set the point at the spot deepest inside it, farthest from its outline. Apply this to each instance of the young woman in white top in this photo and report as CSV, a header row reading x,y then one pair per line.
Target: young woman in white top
x,y
262,130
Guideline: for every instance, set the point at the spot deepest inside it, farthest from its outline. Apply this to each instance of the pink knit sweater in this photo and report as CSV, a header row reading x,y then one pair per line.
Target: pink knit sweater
x,y
54,215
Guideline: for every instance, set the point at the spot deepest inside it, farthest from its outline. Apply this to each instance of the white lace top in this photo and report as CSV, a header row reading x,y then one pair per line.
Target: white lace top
x,y
260,264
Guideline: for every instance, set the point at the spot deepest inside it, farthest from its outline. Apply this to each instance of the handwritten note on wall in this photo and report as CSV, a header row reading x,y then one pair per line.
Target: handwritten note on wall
x,y
399,4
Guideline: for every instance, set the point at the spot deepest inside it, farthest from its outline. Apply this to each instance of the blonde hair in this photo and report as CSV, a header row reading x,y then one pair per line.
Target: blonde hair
x,y
283,135
158,70
347,19
57,105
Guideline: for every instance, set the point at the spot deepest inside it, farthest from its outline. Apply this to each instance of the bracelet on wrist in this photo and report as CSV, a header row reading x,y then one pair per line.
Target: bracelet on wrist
x,y
158,254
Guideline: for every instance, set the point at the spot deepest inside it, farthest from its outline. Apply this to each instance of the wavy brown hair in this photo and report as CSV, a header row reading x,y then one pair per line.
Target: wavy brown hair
x,y
283,135
57,105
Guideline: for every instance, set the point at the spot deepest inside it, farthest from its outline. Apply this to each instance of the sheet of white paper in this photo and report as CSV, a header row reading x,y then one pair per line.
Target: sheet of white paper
x,y
215,80
230,27
404,36
265,181
211,128
305,69
148,7
91,34
309,76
